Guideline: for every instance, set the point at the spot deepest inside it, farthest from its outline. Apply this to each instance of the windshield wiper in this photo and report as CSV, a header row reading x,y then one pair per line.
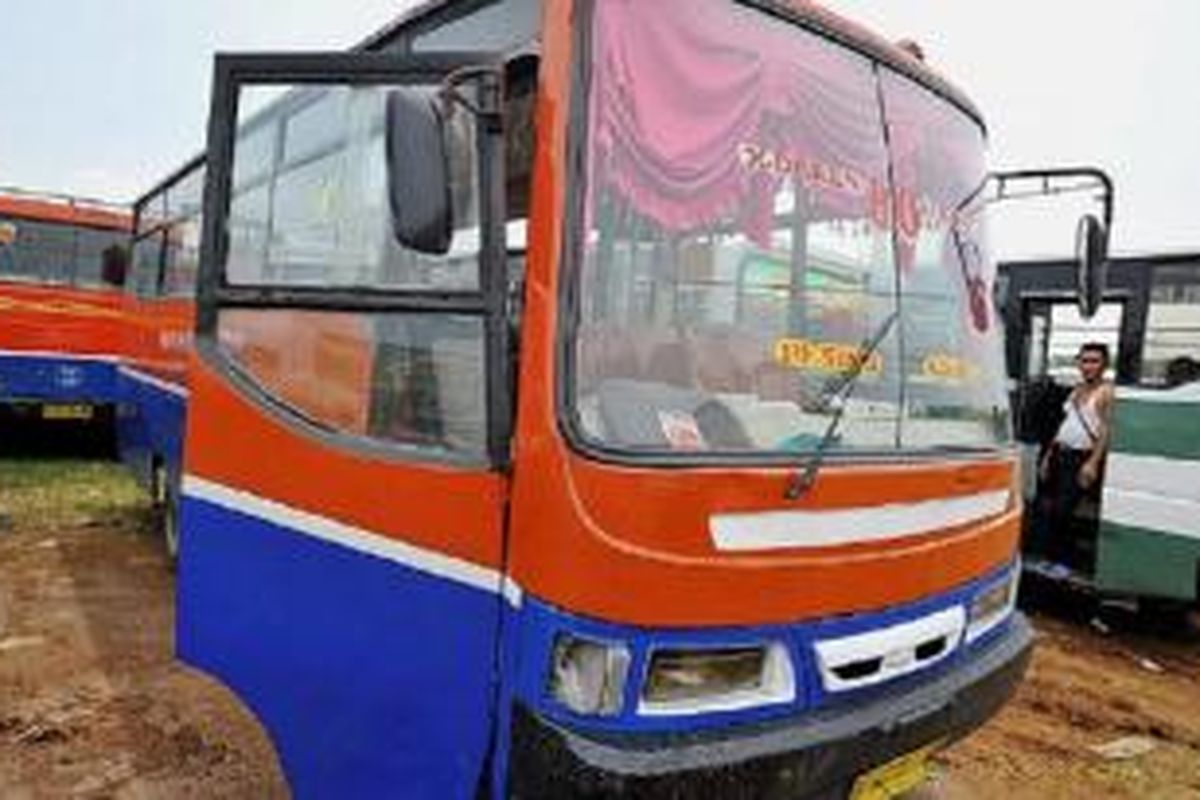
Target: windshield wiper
x,y
840,386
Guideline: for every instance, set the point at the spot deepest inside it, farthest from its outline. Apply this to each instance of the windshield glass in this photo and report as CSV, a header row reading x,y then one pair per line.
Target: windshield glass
x,y
954,390
743,242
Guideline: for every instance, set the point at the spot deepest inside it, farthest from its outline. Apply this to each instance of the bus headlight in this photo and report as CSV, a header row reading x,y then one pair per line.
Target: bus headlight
x,y
993,604
589,676
718,679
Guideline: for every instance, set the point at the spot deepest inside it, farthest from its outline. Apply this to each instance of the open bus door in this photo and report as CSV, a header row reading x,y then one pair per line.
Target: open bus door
x,y
1051,331
341,564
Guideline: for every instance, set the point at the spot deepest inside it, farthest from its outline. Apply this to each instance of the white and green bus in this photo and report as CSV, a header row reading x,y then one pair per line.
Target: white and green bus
x,y
1149,535
1139,534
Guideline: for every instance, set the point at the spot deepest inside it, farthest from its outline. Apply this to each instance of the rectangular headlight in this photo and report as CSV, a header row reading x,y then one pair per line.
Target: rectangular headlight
x,y
588,676
993,604
680,681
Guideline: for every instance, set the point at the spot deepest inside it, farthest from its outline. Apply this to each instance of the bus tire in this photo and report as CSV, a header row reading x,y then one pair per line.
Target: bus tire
x,y
165,497
170,524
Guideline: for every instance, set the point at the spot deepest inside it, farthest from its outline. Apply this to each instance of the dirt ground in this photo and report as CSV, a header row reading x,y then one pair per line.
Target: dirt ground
x,y
93,706
91,703
1087,689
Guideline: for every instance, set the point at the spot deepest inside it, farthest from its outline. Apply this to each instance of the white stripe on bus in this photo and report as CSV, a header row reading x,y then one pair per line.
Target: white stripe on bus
x,y
106,358
1152,512
1168,477
776,530
152,380
357,539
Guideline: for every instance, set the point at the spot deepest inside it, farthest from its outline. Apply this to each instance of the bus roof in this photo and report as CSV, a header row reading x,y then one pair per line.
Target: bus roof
x,y
820,19
807,13
63,208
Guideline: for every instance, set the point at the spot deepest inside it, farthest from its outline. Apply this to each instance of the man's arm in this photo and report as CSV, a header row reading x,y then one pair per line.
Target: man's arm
x,y
1091,468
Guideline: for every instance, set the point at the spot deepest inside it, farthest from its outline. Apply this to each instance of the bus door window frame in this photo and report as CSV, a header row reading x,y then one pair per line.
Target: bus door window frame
x,y
489,300
1031,302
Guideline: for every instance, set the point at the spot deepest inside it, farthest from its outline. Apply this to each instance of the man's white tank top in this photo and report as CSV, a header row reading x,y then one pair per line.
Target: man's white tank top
x,y
1081,418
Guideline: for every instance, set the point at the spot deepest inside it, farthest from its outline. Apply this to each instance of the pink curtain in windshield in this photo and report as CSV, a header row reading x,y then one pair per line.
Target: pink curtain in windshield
x,y
938,162
701,109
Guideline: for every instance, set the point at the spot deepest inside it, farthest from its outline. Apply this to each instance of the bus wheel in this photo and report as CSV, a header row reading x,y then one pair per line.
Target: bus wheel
x,y
170,525
158,485
165,497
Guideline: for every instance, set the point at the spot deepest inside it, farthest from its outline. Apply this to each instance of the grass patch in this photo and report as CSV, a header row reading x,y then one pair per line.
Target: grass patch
x,y
48,494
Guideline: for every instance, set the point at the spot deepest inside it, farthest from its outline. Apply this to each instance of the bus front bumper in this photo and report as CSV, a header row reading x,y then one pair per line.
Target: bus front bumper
x,y
817,755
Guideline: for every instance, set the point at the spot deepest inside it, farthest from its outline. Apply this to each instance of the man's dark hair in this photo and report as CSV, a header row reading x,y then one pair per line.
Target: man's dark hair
x,y
1100,348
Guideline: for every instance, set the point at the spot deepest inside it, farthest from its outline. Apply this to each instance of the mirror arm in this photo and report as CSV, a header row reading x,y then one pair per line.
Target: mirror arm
x,y
1096,178
491,78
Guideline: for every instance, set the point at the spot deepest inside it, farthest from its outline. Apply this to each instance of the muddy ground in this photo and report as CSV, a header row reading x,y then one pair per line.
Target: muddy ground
x,y
92,704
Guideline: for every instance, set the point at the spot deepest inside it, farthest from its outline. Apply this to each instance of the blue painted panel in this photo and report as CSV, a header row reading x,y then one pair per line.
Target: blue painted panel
x,y
532,630
57,380
373,679
165,415
151,424
133,435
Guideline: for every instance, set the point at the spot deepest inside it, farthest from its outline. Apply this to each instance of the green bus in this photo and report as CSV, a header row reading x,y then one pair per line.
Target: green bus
x,y
1138,535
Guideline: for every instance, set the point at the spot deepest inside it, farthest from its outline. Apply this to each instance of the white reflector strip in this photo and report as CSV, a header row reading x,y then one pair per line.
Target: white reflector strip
x,y
777,530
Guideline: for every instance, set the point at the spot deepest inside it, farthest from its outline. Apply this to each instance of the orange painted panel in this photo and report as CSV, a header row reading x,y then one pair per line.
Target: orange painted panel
x,y
232,441
60,319
632,544
64,210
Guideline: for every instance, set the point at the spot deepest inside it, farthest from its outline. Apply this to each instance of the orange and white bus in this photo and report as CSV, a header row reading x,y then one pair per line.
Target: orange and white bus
x,y
600,398
62,262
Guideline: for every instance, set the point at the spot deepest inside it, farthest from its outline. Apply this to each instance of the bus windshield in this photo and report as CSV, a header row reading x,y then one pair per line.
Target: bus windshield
x,y
749,225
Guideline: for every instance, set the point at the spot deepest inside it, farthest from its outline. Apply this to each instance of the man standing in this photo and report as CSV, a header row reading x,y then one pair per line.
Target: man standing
x,y
1070,468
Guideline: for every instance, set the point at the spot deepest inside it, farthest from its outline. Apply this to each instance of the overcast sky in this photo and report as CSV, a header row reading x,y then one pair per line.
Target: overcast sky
x,y
104,97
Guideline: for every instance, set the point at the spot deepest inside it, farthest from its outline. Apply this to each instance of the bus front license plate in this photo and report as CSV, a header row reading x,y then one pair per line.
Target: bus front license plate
x,y
895,777
66,411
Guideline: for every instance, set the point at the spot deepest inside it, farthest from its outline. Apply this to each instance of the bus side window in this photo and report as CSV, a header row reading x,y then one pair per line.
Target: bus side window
x,y
147,256
90,258
9,265
42,251
182,258
1171,351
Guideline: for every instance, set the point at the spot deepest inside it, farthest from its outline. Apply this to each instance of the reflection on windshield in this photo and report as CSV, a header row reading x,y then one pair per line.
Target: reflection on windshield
x,y
744,241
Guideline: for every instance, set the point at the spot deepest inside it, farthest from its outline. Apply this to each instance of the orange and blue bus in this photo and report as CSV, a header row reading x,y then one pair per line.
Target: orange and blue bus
x,y
62,262
160,308
598,398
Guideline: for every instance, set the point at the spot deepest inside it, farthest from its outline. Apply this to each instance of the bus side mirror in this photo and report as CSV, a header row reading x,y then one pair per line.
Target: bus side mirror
x,y
418,172
114,265
1091,257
